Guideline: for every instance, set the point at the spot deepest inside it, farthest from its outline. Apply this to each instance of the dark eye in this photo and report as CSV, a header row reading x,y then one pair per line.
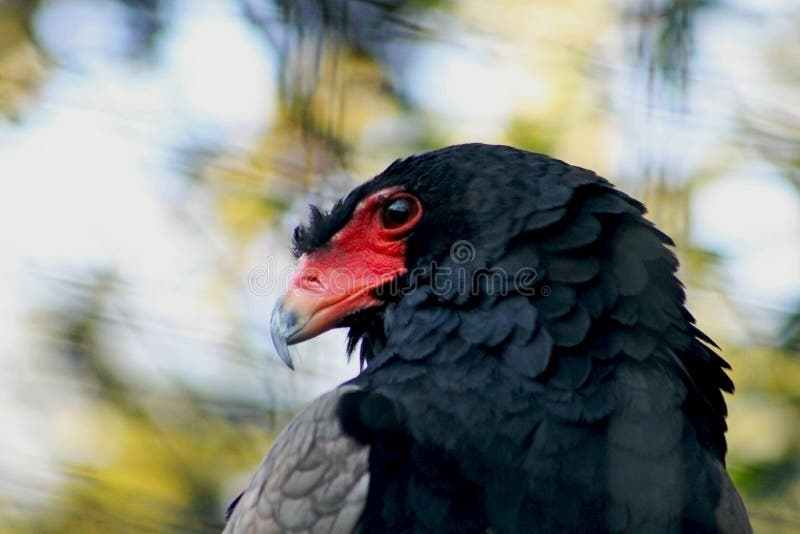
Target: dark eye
x,y
398,212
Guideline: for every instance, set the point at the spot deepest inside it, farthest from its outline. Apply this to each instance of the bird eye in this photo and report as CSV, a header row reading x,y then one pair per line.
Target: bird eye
x,y
399,211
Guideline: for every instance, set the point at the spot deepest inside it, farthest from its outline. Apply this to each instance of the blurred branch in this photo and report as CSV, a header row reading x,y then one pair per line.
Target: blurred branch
x,y
665,42
315,42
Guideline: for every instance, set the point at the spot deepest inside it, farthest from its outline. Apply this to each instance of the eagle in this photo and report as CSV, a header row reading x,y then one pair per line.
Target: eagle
x,y
528,362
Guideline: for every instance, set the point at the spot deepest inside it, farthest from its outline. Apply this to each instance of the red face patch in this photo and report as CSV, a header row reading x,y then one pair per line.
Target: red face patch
x,y
339,279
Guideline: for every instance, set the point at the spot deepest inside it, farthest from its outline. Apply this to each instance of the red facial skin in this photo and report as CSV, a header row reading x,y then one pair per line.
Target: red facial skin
x,y
339,279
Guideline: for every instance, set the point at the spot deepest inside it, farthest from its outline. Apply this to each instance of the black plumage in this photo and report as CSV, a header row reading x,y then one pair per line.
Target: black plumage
x,y
585,401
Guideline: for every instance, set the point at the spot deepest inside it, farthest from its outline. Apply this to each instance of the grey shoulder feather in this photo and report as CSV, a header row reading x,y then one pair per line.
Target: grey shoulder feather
x,y
314,478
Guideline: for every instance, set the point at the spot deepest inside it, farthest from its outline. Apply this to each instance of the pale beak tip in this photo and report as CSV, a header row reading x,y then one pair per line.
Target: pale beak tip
x,y
279,325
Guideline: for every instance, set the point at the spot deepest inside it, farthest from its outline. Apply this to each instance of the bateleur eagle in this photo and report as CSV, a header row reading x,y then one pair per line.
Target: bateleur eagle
x,y
528,362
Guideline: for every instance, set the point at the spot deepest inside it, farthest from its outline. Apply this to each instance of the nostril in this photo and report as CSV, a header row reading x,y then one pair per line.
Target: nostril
x,y
311,281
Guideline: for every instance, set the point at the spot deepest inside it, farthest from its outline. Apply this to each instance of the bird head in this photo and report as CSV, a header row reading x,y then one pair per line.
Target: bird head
x,y
425,225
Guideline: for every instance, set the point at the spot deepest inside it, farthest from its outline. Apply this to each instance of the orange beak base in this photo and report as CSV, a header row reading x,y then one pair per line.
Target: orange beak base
x,y
323,292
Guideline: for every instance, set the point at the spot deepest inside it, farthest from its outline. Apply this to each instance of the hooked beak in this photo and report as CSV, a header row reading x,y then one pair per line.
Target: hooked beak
x,y
283,327
320,299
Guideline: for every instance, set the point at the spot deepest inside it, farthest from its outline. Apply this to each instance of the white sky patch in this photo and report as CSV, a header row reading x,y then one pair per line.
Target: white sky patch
x,y
753,219
222,79
477,92
77,190
76,32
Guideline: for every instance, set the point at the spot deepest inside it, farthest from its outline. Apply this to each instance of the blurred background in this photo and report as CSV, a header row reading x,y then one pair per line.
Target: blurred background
x,y
155,155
